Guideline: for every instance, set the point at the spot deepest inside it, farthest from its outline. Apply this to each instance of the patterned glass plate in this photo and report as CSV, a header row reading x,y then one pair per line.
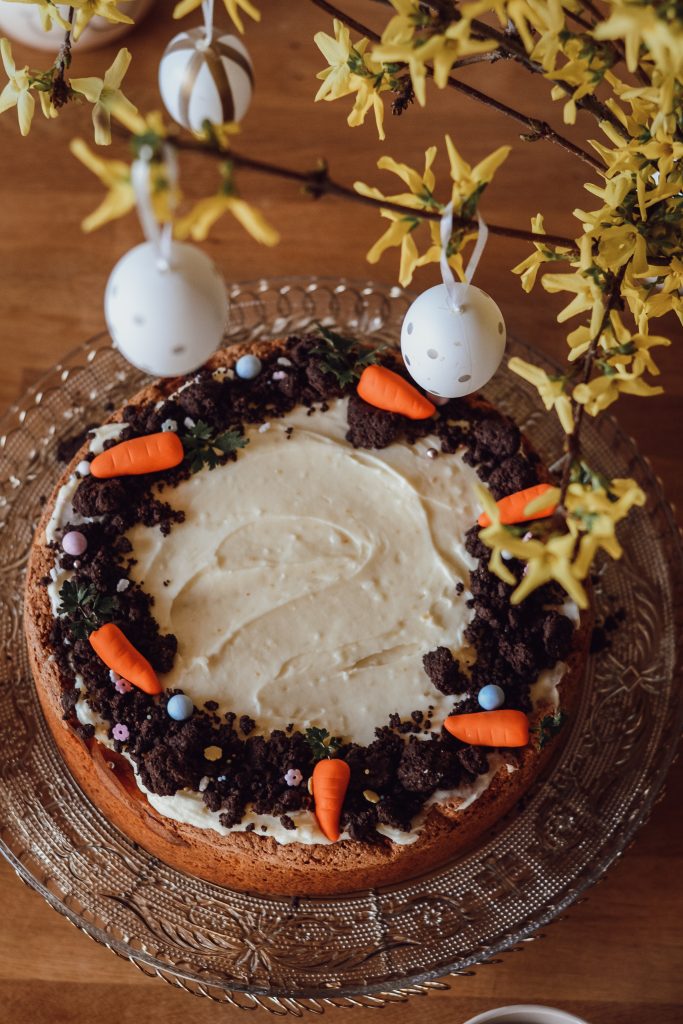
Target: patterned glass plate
x,y
373,947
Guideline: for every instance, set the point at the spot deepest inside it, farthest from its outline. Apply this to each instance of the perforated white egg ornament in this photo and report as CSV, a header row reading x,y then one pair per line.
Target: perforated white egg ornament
x,y
166,316
452,348
206,76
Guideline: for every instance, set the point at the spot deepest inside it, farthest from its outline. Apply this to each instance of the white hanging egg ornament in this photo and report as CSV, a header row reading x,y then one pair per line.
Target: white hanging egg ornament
x,y
166,318
205,79
453,340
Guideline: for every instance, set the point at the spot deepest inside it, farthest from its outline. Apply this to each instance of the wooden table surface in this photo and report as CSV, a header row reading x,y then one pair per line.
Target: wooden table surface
x,y
618,958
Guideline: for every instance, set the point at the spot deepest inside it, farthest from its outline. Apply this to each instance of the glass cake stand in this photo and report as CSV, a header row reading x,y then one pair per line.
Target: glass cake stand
x,y
375,947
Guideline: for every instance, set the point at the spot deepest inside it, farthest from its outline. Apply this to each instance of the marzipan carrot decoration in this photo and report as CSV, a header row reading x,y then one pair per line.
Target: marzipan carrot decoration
x,y
513,507
330,781
504,728
386,390
118,653
148,454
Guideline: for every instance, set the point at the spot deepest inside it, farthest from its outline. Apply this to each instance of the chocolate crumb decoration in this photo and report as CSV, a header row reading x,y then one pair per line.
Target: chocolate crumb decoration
x,y
444,671
405,763
68,446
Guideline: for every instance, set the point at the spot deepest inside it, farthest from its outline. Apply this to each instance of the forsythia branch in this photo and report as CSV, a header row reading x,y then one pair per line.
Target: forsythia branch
x,y
318,183
536,128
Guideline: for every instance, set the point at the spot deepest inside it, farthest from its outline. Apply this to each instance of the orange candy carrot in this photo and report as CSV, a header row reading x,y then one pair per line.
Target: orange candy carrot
x,y
118,653
490,728
386,390
330,781
148,454
512,506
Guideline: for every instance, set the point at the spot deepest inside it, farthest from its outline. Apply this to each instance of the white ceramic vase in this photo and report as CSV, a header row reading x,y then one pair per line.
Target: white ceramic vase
x,y
22,24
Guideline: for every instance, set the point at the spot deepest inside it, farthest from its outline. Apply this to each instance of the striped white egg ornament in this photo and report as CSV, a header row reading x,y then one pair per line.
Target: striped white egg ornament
x,y
205,80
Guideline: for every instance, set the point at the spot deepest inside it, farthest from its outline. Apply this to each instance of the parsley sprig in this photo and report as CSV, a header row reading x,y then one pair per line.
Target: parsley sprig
x,y
344,357
549,727
86,607
321,743
204,447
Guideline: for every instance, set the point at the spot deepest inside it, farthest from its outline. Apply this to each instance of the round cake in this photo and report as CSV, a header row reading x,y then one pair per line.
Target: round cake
x,y
320,661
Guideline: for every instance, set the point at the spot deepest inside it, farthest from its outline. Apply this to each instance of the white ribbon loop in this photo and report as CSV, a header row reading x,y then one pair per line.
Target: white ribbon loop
x,y
160,235
207,11
448,277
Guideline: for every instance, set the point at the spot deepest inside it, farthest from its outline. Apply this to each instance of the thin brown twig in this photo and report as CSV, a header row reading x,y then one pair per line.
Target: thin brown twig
x,y
511,44
536,128
59,92
318,183
578,410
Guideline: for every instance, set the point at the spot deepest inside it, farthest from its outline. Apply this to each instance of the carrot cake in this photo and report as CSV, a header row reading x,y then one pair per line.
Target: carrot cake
x,y
265,635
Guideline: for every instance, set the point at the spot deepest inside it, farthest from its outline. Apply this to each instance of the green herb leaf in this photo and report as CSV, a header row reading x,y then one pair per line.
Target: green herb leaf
x,y
204,448
86,607
549,727
321,743
344,358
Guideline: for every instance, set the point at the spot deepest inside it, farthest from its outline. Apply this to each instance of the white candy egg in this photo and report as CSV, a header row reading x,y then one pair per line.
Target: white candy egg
x,y
166,321
205,81
453,352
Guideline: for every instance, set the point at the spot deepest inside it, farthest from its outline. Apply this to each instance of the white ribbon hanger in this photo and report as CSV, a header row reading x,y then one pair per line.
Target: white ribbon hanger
x,y
447,274
160,235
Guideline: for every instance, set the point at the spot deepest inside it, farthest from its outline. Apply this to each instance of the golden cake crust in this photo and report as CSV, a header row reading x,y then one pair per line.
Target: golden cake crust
x,y
248,861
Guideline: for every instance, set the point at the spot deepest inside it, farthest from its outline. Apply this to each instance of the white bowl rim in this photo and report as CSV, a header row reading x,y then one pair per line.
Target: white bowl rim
x,y
541,1015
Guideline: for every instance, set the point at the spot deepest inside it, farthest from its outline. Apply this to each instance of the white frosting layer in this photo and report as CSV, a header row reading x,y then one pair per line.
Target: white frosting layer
x,y
309,578
305,585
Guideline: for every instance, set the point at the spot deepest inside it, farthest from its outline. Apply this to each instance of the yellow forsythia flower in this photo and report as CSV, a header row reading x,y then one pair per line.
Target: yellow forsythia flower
x,y
599,393
199,221
641,25
402,226
106,95
86,10
528,268
16,93
551,560
596,513
551,391
401,45
233,7
351,70
337,77
467,185
115,174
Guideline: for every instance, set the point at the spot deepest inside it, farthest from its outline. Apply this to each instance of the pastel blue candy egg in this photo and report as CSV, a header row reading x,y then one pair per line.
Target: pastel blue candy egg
x,y
247,367
179,707
491,697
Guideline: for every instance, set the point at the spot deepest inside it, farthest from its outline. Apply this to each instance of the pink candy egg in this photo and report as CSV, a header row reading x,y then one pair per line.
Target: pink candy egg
x,y
74,543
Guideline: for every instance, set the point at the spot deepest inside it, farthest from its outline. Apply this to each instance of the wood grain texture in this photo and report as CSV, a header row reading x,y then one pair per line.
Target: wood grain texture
x,y
617,958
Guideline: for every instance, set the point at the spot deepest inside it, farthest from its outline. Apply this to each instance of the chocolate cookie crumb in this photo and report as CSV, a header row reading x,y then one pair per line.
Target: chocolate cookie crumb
x,y
68,446
370,427
444,671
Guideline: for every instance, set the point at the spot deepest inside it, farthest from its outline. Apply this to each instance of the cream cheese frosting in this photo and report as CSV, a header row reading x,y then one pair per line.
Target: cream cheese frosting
x,y
309,577
305,585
